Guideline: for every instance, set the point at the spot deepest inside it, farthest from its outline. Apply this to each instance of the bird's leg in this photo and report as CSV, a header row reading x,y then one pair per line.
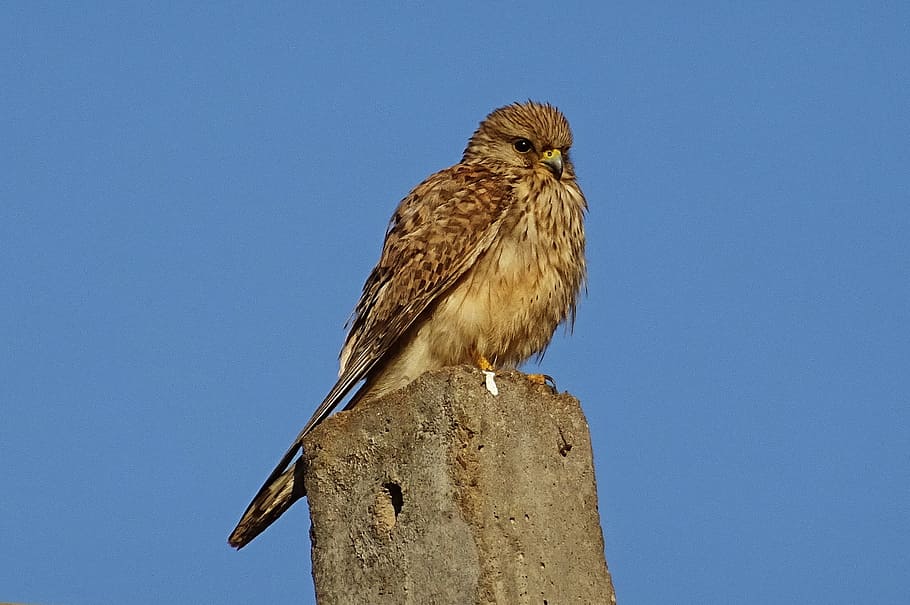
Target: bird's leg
x,y
488,372
542,379
483,363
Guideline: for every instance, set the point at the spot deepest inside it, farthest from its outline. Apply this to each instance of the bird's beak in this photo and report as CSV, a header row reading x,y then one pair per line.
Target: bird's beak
x,y
552,159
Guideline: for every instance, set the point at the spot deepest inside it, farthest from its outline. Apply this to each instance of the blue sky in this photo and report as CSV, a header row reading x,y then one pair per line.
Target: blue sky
x,y
191,198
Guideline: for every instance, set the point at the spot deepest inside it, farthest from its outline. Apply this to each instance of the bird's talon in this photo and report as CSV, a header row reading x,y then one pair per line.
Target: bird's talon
x,y
483,363
544,379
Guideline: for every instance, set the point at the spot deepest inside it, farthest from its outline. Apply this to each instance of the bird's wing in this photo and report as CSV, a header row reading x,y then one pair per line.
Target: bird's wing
x,y
437,233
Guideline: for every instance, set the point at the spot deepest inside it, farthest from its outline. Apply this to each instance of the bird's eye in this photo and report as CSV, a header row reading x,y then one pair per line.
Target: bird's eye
x,y
523,145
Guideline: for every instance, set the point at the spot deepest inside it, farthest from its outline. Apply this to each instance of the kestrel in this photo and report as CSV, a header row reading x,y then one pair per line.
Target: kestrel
x,y
481,262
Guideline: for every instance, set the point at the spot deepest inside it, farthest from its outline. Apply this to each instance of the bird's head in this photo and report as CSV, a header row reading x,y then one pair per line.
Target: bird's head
x,y
533,136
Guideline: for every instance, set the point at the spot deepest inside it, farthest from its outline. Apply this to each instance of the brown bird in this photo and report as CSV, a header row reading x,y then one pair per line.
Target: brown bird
x,y
481,262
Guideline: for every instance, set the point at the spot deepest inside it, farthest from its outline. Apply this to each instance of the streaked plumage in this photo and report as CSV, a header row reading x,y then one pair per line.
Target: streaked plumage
x,y
482,260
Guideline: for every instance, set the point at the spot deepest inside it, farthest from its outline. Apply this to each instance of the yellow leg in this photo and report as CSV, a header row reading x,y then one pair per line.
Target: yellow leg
x,y
483,363
489,374
542,379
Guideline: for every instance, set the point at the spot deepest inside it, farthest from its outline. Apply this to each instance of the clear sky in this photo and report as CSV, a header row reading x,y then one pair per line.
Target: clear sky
x,y
191,198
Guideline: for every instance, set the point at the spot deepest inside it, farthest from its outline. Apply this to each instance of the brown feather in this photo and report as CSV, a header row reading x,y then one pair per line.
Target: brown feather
x,y
485,258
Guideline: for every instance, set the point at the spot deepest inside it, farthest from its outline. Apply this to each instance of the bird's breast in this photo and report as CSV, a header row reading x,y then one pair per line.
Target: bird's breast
x,y
508,305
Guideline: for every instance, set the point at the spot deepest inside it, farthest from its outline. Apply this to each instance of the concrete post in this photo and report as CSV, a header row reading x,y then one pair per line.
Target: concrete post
x,y
443,494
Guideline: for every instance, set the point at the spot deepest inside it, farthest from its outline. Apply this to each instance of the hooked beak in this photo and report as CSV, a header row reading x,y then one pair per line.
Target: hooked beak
x,y
552,159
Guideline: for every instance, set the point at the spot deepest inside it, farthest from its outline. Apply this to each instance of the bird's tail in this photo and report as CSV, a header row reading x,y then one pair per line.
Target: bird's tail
x,y
285,485
282,489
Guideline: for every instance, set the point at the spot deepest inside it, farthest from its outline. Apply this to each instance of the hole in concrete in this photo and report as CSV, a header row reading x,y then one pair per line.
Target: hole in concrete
x,y
395,496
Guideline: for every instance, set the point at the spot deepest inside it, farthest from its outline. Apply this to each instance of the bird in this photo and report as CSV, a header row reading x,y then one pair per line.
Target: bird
x,y
481,262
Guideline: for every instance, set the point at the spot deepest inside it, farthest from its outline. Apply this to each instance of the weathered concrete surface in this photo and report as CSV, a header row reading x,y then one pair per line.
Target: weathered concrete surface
x,y
441,493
